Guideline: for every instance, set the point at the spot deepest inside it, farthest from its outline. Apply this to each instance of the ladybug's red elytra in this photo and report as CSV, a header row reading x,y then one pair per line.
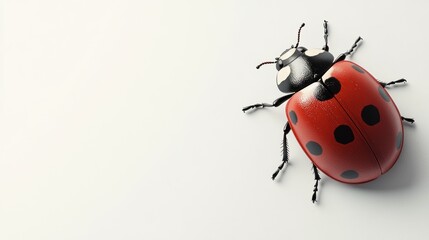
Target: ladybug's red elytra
x,y
342,117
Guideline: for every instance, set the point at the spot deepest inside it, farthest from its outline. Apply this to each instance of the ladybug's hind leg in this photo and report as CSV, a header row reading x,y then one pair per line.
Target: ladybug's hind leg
x,y
383,84
285,159
316,185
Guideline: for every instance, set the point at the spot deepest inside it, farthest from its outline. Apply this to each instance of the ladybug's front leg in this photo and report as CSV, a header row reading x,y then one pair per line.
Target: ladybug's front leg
x,y
279,101
349,52
325,36
285,149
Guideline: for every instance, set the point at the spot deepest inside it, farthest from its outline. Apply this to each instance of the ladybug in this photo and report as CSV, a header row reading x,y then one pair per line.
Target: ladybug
x,y
342,117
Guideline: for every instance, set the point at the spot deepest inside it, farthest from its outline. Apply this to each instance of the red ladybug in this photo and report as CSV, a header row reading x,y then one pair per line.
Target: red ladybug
x,y
342,117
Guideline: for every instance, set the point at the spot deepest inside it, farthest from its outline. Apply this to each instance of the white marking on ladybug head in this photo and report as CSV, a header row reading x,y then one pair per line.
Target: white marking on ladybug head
x,y
313,52
283,74
287,54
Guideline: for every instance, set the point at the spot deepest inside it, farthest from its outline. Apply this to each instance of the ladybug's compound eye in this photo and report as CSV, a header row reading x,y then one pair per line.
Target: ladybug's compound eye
x,y
279,64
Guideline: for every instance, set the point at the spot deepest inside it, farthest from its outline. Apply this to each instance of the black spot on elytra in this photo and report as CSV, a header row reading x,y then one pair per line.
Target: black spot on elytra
x,y
358,69
293,117
344,134
398,140
333,85
327,90
383,94
370,115
314,148
350,174
321,93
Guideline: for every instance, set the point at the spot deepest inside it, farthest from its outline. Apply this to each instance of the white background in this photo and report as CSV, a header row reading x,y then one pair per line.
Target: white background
x,y
122,120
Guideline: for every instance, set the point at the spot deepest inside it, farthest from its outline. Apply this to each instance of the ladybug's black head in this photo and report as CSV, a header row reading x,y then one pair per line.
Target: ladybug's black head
x,y
298,67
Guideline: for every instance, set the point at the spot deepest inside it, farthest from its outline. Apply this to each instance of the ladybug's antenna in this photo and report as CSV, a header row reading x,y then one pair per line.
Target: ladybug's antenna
x,y
299,34
257,67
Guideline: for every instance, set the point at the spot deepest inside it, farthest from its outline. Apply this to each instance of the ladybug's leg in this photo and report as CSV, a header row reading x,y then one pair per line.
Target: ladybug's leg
x,y
285,149
410,120
279,101
383,84
349,52
316,185
325,28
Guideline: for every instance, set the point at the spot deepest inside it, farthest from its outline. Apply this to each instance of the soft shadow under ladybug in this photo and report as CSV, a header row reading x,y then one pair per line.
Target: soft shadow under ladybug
x,y
343,118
